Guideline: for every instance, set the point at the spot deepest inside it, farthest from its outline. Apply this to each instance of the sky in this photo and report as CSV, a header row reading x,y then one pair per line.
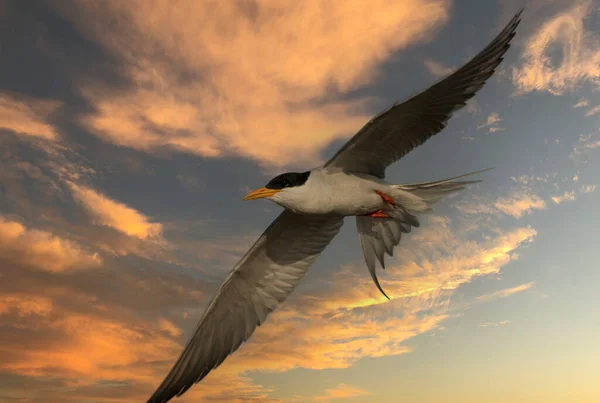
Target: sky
x,y
131,130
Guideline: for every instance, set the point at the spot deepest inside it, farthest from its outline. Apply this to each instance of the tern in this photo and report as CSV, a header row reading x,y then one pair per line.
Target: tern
x,y
315,204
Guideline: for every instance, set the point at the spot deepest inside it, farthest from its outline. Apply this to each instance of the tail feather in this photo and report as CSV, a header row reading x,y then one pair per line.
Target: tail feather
x,y
424,185
421,197
379,236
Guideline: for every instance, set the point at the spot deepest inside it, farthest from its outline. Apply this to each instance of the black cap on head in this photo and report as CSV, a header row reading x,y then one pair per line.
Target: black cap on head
x,y
289,179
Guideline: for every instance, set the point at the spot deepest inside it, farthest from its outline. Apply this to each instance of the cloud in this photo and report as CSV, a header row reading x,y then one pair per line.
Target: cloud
x,y
27,116
115,215
579,60
85,348
492,123
587,188
495,324
41,249
505,292
520,203
437,69
189,92
341,391
581,103
564,197
585,143
593,111
100,341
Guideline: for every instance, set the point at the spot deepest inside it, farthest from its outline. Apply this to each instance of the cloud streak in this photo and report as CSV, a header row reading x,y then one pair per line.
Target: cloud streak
x,y
505,292
114,214
27,116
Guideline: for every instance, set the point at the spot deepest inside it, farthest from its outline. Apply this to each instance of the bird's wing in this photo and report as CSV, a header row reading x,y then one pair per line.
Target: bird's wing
x,y
262,279
395,132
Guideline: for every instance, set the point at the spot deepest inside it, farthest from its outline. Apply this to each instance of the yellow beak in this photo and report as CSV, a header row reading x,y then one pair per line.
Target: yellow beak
x,y
261,193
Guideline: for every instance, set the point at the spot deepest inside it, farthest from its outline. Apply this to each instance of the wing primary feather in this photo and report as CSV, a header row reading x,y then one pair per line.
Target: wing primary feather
x,y
263,278
406,125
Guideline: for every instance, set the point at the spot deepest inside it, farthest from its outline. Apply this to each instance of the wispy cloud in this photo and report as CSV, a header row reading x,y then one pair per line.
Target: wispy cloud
x,y
583,102
28,116
520,203
42,249
492,123
587,188
495,324
593,111
341,391
437,69
114,214
580,62
584,144
566,196
505,292
264,87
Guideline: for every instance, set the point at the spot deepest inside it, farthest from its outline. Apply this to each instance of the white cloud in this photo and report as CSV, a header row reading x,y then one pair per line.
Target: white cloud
x,y
593,111
492,123
581,103
437,69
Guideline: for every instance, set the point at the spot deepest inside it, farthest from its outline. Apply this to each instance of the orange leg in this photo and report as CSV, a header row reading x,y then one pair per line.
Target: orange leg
x,y
378,214
386,198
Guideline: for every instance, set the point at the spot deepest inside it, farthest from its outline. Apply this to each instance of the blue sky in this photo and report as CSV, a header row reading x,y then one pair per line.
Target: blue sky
x,y
130,131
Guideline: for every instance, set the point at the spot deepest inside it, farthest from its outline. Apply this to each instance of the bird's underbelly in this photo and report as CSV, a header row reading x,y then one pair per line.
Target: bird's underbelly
x,y
345,200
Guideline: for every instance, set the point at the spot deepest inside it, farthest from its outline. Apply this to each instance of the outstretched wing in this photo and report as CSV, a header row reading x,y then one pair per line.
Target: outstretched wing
x,y
398,130
262,279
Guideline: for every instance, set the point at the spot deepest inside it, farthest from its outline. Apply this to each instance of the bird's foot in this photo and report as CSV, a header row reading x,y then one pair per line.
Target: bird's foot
x,y
378,214
386,198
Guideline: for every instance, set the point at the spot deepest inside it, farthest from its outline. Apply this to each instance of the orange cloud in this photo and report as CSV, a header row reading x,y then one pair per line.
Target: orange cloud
x,y
329,330
492,123
505,292
42,249
275,99
24,305
27,116
114,214
520,203
85,349
341,391
566,196
580,61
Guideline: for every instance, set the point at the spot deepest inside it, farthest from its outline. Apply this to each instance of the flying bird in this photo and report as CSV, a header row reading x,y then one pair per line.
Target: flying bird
x,y
315,204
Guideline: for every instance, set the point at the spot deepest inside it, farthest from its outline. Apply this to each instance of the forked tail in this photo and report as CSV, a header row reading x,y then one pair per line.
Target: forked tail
x,y
379,236
421,197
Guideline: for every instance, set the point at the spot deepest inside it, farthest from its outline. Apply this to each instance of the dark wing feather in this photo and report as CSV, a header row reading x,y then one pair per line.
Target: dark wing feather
x,y
398,130
262,279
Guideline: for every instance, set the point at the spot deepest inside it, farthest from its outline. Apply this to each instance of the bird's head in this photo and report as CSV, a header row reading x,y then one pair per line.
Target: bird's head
x,y
282,188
